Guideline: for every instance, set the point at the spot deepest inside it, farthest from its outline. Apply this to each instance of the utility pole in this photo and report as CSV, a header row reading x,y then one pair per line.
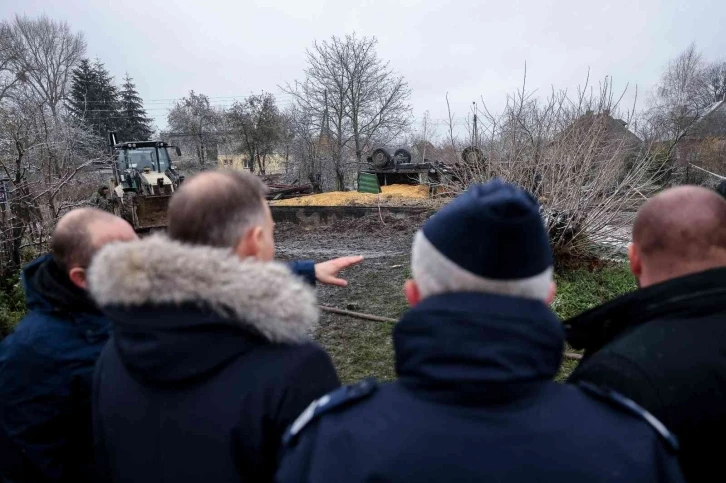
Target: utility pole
x,y
475,131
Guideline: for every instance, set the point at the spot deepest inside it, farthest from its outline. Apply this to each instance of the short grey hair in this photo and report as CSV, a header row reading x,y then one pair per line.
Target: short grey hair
x,y
435,274
216,208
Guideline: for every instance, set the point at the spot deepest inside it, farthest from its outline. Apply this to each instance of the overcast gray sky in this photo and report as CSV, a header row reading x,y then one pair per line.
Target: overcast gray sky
x,y
469,48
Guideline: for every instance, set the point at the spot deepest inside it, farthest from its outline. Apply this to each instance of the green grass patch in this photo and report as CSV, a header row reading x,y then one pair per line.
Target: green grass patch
x,y
362,348
580,290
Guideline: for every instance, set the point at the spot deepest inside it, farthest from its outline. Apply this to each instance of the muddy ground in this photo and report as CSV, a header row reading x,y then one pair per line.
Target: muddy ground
x,y
359,348
362,348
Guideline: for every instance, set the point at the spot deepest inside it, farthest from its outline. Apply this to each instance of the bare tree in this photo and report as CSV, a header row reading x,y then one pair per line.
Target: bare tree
x,y
356,98
40,157
44,53
259,124
377,95
716,80
681,96
310,149
422,140
194,123
575,153
9,76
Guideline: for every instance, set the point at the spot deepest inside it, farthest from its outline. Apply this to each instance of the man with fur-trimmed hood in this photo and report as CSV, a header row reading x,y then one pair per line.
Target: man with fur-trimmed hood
x,y
211,358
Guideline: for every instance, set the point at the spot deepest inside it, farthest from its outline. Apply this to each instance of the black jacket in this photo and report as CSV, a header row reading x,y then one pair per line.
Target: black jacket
x,y
665,347
475,401
46,369
209,363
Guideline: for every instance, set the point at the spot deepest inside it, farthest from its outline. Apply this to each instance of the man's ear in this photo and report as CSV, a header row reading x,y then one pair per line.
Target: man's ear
x,y
636,264
413,295
78,277
251,243
552,294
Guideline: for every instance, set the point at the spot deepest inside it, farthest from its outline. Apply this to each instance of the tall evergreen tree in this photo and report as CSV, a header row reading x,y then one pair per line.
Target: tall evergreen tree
x,y
94,98
134,125
83,88
107,106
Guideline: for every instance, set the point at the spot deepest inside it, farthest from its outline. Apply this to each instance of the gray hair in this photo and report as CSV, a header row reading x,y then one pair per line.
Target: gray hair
x,y
435,274
216,208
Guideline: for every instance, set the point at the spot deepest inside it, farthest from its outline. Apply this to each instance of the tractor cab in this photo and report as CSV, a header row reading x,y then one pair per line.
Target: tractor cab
x,y
144,166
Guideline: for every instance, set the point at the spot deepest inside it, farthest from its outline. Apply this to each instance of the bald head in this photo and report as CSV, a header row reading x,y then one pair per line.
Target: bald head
x,y
216,208
80,234
680,231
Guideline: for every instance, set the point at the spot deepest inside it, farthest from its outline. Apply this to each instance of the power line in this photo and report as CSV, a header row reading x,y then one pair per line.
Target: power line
x,y
174,99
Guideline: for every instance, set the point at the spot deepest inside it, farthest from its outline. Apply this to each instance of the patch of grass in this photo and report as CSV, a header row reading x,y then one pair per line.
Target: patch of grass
x,y
359,348
362,348
580,290
566,368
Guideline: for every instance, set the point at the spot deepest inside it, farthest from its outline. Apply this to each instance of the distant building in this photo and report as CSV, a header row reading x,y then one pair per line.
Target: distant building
x,y
614,138
274,163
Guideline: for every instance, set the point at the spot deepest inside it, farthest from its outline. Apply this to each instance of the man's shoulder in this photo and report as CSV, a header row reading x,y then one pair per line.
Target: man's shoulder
x,y
629,411
50,337
633,352
338,400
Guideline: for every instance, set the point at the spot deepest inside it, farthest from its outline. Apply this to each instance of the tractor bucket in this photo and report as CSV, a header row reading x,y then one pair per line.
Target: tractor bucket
x,y
151,212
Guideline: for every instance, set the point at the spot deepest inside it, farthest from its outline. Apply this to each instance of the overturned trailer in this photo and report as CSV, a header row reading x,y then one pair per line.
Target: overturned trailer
x,y
399,168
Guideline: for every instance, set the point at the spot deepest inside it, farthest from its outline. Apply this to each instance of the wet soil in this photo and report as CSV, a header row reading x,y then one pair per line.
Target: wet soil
x,y
359,348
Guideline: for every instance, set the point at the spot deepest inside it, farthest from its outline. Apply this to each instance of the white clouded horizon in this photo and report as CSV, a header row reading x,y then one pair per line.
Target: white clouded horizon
x,y
470,49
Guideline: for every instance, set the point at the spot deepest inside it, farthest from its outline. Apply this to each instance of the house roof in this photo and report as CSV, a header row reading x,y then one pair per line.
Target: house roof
x,y
614,128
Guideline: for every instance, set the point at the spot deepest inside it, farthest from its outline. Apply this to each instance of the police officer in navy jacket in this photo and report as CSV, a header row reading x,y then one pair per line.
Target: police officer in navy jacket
x,y
475,357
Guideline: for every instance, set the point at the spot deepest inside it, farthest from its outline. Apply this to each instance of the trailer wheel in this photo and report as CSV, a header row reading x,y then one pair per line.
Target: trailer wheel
x,y
402,156
473,156
380,158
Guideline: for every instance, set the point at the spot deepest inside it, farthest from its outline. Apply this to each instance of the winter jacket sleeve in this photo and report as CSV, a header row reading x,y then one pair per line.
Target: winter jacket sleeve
x,y
304,269
610,370
309,377
35,418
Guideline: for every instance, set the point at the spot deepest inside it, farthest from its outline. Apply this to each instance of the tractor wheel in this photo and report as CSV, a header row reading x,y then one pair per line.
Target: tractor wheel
x,y
402,156
473,156
380,158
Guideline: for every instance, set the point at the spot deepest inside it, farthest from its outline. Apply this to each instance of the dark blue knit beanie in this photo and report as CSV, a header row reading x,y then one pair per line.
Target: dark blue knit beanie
x,y
493,230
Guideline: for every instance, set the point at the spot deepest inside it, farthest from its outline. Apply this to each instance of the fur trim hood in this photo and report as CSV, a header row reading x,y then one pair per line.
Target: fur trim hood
x,y
157,271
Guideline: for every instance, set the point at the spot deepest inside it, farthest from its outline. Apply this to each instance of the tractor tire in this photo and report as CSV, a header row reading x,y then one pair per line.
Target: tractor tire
x,y
402,156
473,156
380,158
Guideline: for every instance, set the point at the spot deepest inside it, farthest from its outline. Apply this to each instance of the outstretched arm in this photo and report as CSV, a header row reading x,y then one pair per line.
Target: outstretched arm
x,y
327,272
324,272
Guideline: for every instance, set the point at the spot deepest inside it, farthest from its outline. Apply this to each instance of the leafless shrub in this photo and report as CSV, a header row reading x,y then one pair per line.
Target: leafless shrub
x,y
588,170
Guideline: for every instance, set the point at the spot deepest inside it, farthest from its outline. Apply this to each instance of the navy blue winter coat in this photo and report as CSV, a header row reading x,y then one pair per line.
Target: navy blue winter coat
x,y
475,401
46,369
209,363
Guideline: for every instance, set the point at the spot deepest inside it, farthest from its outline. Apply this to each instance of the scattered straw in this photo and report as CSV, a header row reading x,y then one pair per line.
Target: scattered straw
x,y
392,195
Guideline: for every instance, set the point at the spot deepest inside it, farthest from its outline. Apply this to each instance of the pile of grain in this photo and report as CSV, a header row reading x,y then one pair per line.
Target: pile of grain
x,y
391,195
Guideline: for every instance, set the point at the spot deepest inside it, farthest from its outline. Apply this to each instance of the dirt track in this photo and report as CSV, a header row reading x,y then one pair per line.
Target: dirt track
x,y
359,348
